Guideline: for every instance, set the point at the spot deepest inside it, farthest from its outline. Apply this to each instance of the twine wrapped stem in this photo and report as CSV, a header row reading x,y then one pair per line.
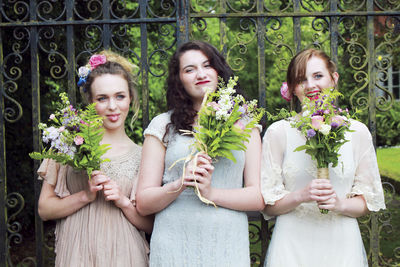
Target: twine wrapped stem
x,y
323,173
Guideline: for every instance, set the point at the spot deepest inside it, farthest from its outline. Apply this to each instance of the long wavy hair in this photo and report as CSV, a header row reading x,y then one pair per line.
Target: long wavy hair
x,y
178,100
297,71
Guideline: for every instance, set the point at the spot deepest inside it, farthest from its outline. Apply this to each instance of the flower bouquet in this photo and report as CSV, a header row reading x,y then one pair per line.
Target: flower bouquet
x,y
324,126
74,137
225,121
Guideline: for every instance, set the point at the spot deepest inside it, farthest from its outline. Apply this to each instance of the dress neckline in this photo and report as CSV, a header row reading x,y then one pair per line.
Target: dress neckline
x,y
123,156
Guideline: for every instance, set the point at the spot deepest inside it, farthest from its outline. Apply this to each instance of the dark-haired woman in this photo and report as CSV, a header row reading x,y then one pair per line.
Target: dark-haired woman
x,y
187,232
97,222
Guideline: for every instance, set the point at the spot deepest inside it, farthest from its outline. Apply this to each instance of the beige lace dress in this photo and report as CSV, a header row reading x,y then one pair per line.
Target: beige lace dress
x,y
98,234
304,237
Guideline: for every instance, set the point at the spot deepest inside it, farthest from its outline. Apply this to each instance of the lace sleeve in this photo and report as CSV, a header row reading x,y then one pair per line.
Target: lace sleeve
x,y
157,127
274,145
56,175
367,181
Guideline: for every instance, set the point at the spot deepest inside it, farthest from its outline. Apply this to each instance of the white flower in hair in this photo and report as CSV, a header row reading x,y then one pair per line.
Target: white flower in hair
x,y
83,72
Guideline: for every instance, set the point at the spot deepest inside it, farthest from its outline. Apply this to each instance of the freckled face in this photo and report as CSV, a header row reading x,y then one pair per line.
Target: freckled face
x,y
196,73
111,93
317,78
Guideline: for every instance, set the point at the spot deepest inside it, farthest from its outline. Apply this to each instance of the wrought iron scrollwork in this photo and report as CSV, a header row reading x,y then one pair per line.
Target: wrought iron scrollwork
x,y
12,72
92,9
255,239
245,36
241,6
50,10
15,11
124,9
15,202
163,8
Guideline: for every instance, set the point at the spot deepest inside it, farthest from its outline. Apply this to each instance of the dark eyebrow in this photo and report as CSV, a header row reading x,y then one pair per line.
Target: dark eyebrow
x,y
192,66
187,66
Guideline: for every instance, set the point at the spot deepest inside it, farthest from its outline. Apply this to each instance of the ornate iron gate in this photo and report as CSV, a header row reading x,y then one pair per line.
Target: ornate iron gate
x,y
42,42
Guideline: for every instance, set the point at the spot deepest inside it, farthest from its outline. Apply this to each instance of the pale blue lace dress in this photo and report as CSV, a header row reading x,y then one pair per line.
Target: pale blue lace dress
x,y
188,232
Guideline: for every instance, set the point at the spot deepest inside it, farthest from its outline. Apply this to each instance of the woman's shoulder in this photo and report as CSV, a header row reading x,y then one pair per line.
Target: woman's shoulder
x,y
277,128
163,118
279,125
359,129
158,126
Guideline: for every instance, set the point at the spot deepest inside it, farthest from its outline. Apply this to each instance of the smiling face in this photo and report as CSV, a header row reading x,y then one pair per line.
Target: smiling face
x,y
111,93
317,77
196,74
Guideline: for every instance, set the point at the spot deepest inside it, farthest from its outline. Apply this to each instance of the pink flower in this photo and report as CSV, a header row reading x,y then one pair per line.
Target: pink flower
x,y
317,121
285,92
52,117
214,105
61,129
239,126
78,140
97,60
338,120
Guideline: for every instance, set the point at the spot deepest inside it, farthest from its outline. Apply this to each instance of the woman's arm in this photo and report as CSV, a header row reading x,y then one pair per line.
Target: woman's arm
x,y
52,207
244,199
278,199
319,190
151,195
352,207
112,192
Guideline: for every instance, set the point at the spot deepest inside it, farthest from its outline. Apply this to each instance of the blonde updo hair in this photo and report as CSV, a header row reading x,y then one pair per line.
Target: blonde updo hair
x,y
115,65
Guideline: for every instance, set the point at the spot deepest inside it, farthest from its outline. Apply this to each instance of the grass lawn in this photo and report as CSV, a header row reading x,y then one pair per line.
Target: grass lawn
x,y
389,162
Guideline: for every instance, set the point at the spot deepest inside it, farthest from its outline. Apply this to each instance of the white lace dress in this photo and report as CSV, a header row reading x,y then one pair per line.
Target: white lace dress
x,y
304,237
188,232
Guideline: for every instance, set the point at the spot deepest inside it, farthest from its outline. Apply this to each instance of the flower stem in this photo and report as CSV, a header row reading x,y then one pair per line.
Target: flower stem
x,y
323,173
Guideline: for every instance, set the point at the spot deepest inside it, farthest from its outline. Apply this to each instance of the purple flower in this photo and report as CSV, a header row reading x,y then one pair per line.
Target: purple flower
x,y
310,133
334,125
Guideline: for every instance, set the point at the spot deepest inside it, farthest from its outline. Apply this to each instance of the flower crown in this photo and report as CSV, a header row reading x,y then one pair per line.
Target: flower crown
x,y
94,61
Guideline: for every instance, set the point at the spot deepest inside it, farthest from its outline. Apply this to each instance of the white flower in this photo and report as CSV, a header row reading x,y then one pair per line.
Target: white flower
x,y
306,113
325,129
83,71
52,133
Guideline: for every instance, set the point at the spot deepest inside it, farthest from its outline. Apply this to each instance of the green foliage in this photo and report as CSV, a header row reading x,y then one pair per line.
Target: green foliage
x,y
70,125
388,126
316,123
223,127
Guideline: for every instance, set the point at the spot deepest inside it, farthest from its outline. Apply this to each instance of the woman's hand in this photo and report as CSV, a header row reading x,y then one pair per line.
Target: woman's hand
x,y
200,174
319,190
332,204
113,192
96,183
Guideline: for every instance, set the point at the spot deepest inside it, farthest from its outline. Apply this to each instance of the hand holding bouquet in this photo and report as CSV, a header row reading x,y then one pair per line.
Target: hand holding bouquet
x,y
324,127
74,137
225,122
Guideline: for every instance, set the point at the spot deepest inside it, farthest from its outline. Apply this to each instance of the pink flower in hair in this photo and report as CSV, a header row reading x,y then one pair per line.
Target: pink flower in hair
x,y
97,60
285,92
